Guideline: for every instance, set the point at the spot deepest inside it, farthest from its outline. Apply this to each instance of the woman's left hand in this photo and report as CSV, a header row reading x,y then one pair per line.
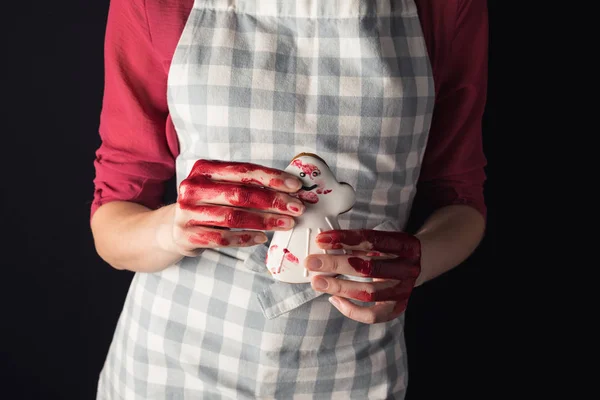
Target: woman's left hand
x,y
393,259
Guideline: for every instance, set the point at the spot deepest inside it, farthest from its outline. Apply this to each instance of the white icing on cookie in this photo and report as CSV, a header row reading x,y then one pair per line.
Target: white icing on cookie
x,y
325,198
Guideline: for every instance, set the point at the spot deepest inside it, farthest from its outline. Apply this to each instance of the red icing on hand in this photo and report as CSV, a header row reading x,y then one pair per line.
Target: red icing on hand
x,y
200,189
263,176
243,239
228,217
401,271
363,267
214,167
290,257
276,182
307,168
396,268
401,244
327,191
252,180
209,238
397,292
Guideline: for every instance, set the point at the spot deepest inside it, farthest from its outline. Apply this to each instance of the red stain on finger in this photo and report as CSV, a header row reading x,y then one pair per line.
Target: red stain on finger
x,y
212,167
360,295
402,244
276,182
244,239
208,168
325,239
199,189
394,293
361,266
228,217
397,268
252,180
209,238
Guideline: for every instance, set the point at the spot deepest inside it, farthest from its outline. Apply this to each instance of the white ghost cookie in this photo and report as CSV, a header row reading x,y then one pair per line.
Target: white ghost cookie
x,y
325,198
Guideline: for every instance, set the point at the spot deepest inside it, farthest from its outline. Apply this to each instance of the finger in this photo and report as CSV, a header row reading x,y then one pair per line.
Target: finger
x,y
246,173
236,218
195,191
213,238
394,268
380,312
388,290
400,243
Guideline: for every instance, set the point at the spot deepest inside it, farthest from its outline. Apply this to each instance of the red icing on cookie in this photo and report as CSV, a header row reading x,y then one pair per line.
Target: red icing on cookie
x,y
305,167
309,197
290,257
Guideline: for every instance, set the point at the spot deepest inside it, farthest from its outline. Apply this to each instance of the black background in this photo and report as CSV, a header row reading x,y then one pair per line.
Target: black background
x,y
60,301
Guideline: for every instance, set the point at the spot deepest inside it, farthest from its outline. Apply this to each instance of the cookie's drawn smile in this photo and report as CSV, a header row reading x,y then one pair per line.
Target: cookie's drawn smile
x,y
309,188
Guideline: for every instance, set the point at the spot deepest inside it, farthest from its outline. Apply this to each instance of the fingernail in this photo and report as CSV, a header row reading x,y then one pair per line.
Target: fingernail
x,y
292,183
297,208
285,222
324,239
335,301
314,263
260,239
320,284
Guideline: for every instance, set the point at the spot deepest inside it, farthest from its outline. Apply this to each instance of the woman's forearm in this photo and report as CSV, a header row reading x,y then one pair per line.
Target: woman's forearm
x,y
132,237
448,237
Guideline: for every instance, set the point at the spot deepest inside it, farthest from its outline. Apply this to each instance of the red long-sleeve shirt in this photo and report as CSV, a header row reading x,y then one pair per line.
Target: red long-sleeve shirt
x,y
139,142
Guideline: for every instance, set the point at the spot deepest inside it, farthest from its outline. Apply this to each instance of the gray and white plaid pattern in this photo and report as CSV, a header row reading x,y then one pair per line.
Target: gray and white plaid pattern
x,y
261,81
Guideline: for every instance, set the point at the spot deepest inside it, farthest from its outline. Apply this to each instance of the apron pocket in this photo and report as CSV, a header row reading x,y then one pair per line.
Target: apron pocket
x,y
256,261
278,297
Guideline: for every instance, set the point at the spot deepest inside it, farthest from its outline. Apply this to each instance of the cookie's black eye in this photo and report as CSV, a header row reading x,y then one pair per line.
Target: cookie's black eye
x,y
302,174
316,173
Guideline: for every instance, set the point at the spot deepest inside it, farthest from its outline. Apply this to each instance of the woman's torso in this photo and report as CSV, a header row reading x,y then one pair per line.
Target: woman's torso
x,y
349,81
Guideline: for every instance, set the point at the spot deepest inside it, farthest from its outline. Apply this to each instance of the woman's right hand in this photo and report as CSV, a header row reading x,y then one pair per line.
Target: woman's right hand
x,y
230,204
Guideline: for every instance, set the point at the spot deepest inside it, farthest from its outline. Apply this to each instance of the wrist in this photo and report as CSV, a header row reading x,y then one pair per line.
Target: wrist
x,y
164,239
448,238
129,236
424,243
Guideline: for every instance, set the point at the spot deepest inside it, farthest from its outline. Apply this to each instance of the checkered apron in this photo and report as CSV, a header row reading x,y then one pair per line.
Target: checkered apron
x,y
261,81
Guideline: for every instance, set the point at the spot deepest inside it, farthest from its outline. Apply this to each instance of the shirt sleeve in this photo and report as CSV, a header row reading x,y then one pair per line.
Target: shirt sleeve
x,y
134,159
453,164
